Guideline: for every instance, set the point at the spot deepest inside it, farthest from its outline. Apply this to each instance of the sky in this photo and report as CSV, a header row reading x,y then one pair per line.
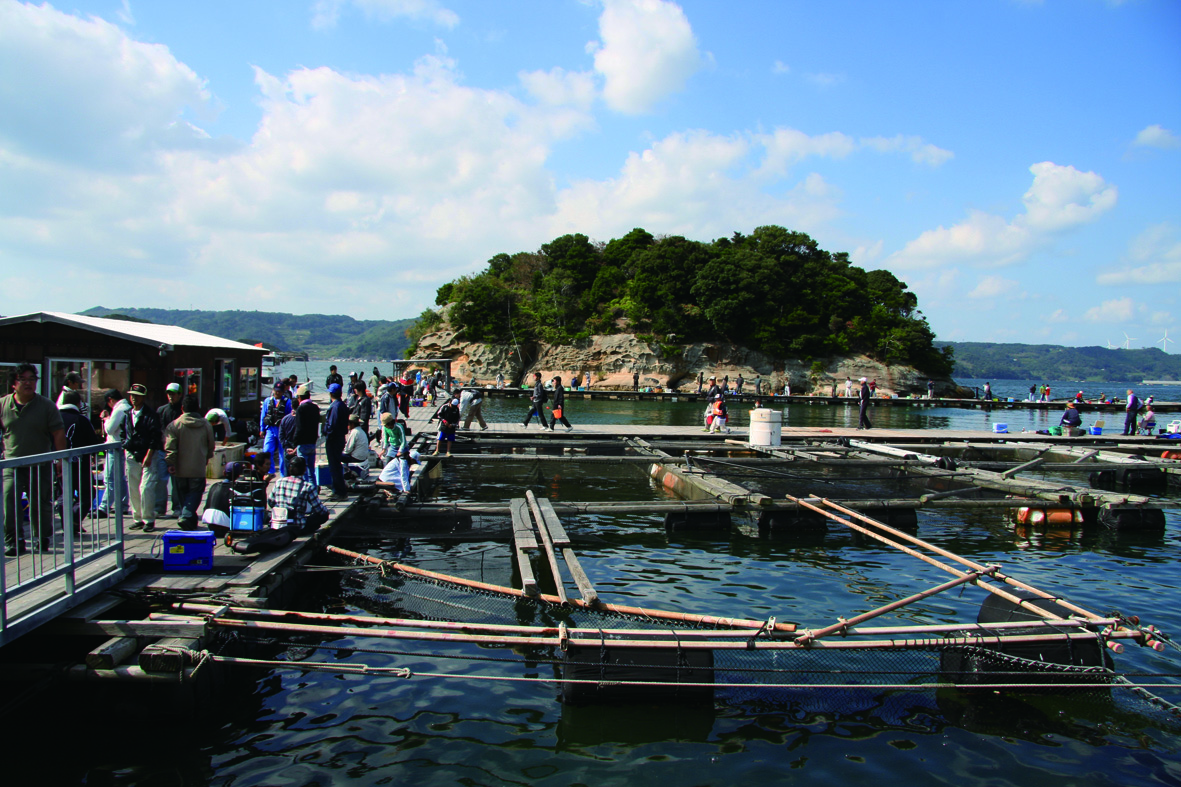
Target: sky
x,y
1016,162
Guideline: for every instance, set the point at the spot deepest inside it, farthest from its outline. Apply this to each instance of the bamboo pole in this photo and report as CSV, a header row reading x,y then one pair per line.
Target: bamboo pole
x,y
623,609
976,567
843,626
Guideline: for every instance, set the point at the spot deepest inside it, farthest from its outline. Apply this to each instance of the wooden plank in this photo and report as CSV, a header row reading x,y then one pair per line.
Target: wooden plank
x,y
112,653
523,538
131,628
551,556
557,533
558,536
166,655
523,533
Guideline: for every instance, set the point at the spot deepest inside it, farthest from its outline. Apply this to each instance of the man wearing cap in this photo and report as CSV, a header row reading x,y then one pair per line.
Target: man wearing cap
x,y
307,430
219,419
166,482
142,440
448,416
273,410
336,427
32,425
863,397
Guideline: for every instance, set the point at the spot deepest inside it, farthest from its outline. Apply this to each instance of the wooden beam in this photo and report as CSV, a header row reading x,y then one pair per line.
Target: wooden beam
x,y
130,628
549,522
523,538
559,584
112,653
168,655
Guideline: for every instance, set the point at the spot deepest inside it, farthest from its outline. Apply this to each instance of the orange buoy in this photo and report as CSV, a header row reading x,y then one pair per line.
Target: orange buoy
x,y
1049,516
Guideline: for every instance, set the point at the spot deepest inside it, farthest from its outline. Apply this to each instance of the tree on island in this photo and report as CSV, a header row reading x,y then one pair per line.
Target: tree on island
x,y
775,291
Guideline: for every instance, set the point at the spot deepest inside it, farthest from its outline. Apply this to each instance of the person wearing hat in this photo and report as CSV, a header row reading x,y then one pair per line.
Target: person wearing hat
x,y
142,440
166,482
220,421
863,397
448,416
307,430
273,411
1071,418
336,426
393,438
720,415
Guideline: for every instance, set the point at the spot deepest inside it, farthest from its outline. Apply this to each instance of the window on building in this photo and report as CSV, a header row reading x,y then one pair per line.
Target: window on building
x,y
189,380
104,375
248,389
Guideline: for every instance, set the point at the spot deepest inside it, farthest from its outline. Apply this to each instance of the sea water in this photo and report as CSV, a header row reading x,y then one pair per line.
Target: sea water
x,y
294,726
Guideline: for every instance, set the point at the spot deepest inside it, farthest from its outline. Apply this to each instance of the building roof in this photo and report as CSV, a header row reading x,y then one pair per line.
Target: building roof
x,y
164,337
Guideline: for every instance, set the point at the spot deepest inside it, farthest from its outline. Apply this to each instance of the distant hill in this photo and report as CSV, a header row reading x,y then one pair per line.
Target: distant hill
x,y
319,335
1054,362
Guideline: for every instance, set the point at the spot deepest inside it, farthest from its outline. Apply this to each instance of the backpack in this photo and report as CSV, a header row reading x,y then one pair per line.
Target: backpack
x,y
274,413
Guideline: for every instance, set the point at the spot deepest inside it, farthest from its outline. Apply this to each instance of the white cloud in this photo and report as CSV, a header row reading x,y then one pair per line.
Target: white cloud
x,y
825,81
647,52
81,91
559,87
1058,315
864,255
1117,310
1059,199
1158,252
1155,136
124,13
326,13
992,287
788,146
921,152
779,67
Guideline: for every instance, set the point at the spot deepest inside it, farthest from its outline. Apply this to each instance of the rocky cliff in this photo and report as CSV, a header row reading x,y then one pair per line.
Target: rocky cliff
x,y
611,361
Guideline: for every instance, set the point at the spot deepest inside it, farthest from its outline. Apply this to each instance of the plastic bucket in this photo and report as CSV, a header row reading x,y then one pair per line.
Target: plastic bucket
x,y
766,427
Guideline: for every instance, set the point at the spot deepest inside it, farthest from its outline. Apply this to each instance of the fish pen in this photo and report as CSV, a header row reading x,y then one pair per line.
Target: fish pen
x,y
529,567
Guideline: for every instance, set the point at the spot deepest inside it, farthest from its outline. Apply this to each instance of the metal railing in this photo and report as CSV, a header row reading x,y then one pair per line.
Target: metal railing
x,y
59,551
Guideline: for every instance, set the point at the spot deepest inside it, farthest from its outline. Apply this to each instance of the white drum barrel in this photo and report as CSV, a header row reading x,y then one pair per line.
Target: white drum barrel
x,y
766,427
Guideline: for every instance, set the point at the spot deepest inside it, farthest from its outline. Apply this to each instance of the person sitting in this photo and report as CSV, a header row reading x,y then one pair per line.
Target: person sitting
x,y
356,448
1071,417
300,499
1148,422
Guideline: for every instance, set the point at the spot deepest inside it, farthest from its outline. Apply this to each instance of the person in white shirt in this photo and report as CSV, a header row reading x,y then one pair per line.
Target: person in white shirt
x,y
218,417
114,423
356,448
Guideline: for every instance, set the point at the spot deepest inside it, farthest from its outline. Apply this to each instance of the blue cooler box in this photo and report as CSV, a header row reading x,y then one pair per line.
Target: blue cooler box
x,y
248,519
1000,428
323,475
188,550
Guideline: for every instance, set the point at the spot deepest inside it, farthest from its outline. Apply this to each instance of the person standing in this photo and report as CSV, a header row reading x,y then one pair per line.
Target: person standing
x,y
273,410
374,379
499,380
586,380
1032,392
142,439
720,415
758,385
863,397
738,384
362,406
165,482
188,447
559,413
74,382
535,403
114,425
700,382
333,377
873,387
635,381
79,434
1132,408
307,428
32,425
930,389
336,427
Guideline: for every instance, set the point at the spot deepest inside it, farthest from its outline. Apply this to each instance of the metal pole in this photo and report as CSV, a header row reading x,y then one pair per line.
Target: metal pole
x,y
67,472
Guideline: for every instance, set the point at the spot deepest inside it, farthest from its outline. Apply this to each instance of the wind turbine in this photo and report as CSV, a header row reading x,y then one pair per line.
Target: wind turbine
x,y
1111,346
1128,340
1165,340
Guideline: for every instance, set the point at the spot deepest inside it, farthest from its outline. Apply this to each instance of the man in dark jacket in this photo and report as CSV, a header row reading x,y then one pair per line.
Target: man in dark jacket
x,y
79,434
361,405
333,377
307,429
535,403
336,429
863,397
142,439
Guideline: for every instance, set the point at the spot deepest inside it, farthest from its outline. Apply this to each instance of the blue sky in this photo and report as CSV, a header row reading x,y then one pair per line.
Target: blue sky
x,y
1017,163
